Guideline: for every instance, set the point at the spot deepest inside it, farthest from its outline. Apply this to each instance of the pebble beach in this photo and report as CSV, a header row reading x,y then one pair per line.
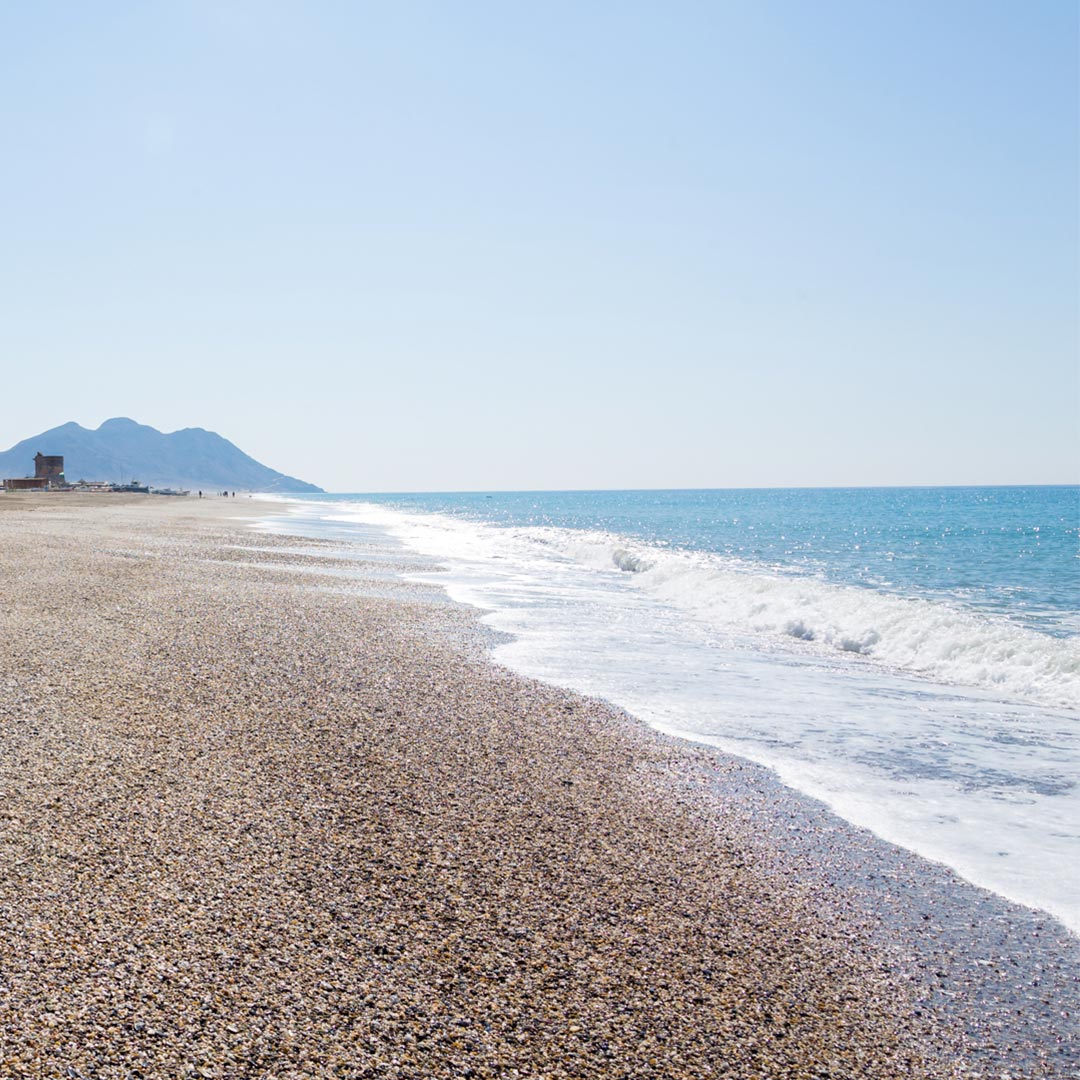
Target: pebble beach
x,y
263,816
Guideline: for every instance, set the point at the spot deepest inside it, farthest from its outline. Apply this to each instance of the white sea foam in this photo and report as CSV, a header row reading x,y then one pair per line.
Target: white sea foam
x,y
930,638
841,690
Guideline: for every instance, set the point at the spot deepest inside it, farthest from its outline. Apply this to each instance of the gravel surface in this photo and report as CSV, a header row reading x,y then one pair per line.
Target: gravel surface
x,y
261,819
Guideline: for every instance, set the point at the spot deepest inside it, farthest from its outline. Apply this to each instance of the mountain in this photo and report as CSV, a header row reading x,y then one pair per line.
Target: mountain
x,y
122,450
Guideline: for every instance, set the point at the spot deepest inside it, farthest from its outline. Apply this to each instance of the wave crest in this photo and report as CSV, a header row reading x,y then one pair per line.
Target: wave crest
x,y
948,644
927,637
629,562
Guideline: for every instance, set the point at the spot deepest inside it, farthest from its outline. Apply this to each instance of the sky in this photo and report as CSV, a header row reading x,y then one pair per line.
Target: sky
x,y
411,246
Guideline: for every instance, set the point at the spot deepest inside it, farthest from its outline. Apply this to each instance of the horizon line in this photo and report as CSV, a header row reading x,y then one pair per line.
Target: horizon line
x,y
759,487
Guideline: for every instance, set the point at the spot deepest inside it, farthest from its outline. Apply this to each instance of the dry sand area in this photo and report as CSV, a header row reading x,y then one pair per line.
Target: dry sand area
x,y
257,823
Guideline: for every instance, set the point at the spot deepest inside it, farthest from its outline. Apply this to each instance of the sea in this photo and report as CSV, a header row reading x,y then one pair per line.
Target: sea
x,y
908,656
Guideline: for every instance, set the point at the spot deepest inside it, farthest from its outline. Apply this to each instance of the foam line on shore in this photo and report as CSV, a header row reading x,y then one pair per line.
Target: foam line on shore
x,y
258,821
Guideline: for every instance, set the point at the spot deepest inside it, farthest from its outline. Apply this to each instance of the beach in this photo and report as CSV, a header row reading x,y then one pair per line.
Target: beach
x,y
261,815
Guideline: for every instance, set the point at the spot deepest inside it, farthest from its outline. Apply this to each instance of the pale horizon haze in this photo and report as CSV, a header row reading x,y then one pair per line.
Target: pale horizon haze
x,y
481,246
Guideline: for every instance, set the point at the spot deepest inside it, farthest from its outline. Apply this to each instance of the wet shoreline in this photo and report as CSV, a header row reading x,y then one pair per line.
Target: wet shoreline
x,y
260,820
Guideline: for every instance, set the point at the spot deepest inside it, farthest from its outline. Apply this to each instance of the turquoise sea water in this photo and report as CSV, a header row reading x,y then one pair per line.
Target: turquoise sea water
x,y
1008,550
910,656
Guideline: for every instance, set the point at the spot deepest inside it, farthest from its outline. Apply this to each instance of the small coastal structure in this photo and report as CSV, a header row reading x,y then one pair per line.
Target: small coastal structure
x,y
26,483
48,473
49,467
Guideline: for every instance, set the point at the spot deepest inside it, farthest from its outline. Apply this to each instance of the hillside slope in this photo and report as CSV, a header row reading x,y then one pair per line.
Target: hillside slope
x,y
122,450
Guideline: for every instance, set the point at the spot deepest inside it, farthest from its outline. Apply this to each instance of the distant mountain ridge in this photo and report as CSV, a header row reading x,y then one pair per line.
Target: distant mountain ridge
x,y
122,450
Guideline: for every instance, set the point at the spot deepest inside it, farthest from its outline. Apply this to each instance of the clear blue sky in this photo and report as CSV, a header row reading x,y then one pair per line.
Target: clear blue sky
x,y
456,245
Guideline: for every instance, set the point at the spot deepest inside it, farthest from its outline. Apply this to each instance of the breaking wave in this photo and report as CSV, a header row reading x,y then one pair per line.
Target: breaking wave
x,y
753,604
929,637
854,693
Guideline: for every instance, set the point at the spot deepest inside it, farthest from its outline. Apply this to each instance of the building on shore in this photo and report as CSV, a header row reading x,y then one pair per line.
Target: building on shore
x,y
26,483
49,467
48,473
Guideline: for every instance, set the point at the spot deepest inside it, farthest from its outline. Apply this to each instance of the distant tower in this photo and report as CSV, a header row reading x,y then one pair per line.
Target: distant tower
x,y
49,468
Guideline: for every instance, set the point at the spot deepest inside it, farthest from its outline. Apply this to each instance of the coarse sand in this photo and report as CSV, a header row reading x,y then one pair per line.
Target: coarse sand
x,y
256,822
